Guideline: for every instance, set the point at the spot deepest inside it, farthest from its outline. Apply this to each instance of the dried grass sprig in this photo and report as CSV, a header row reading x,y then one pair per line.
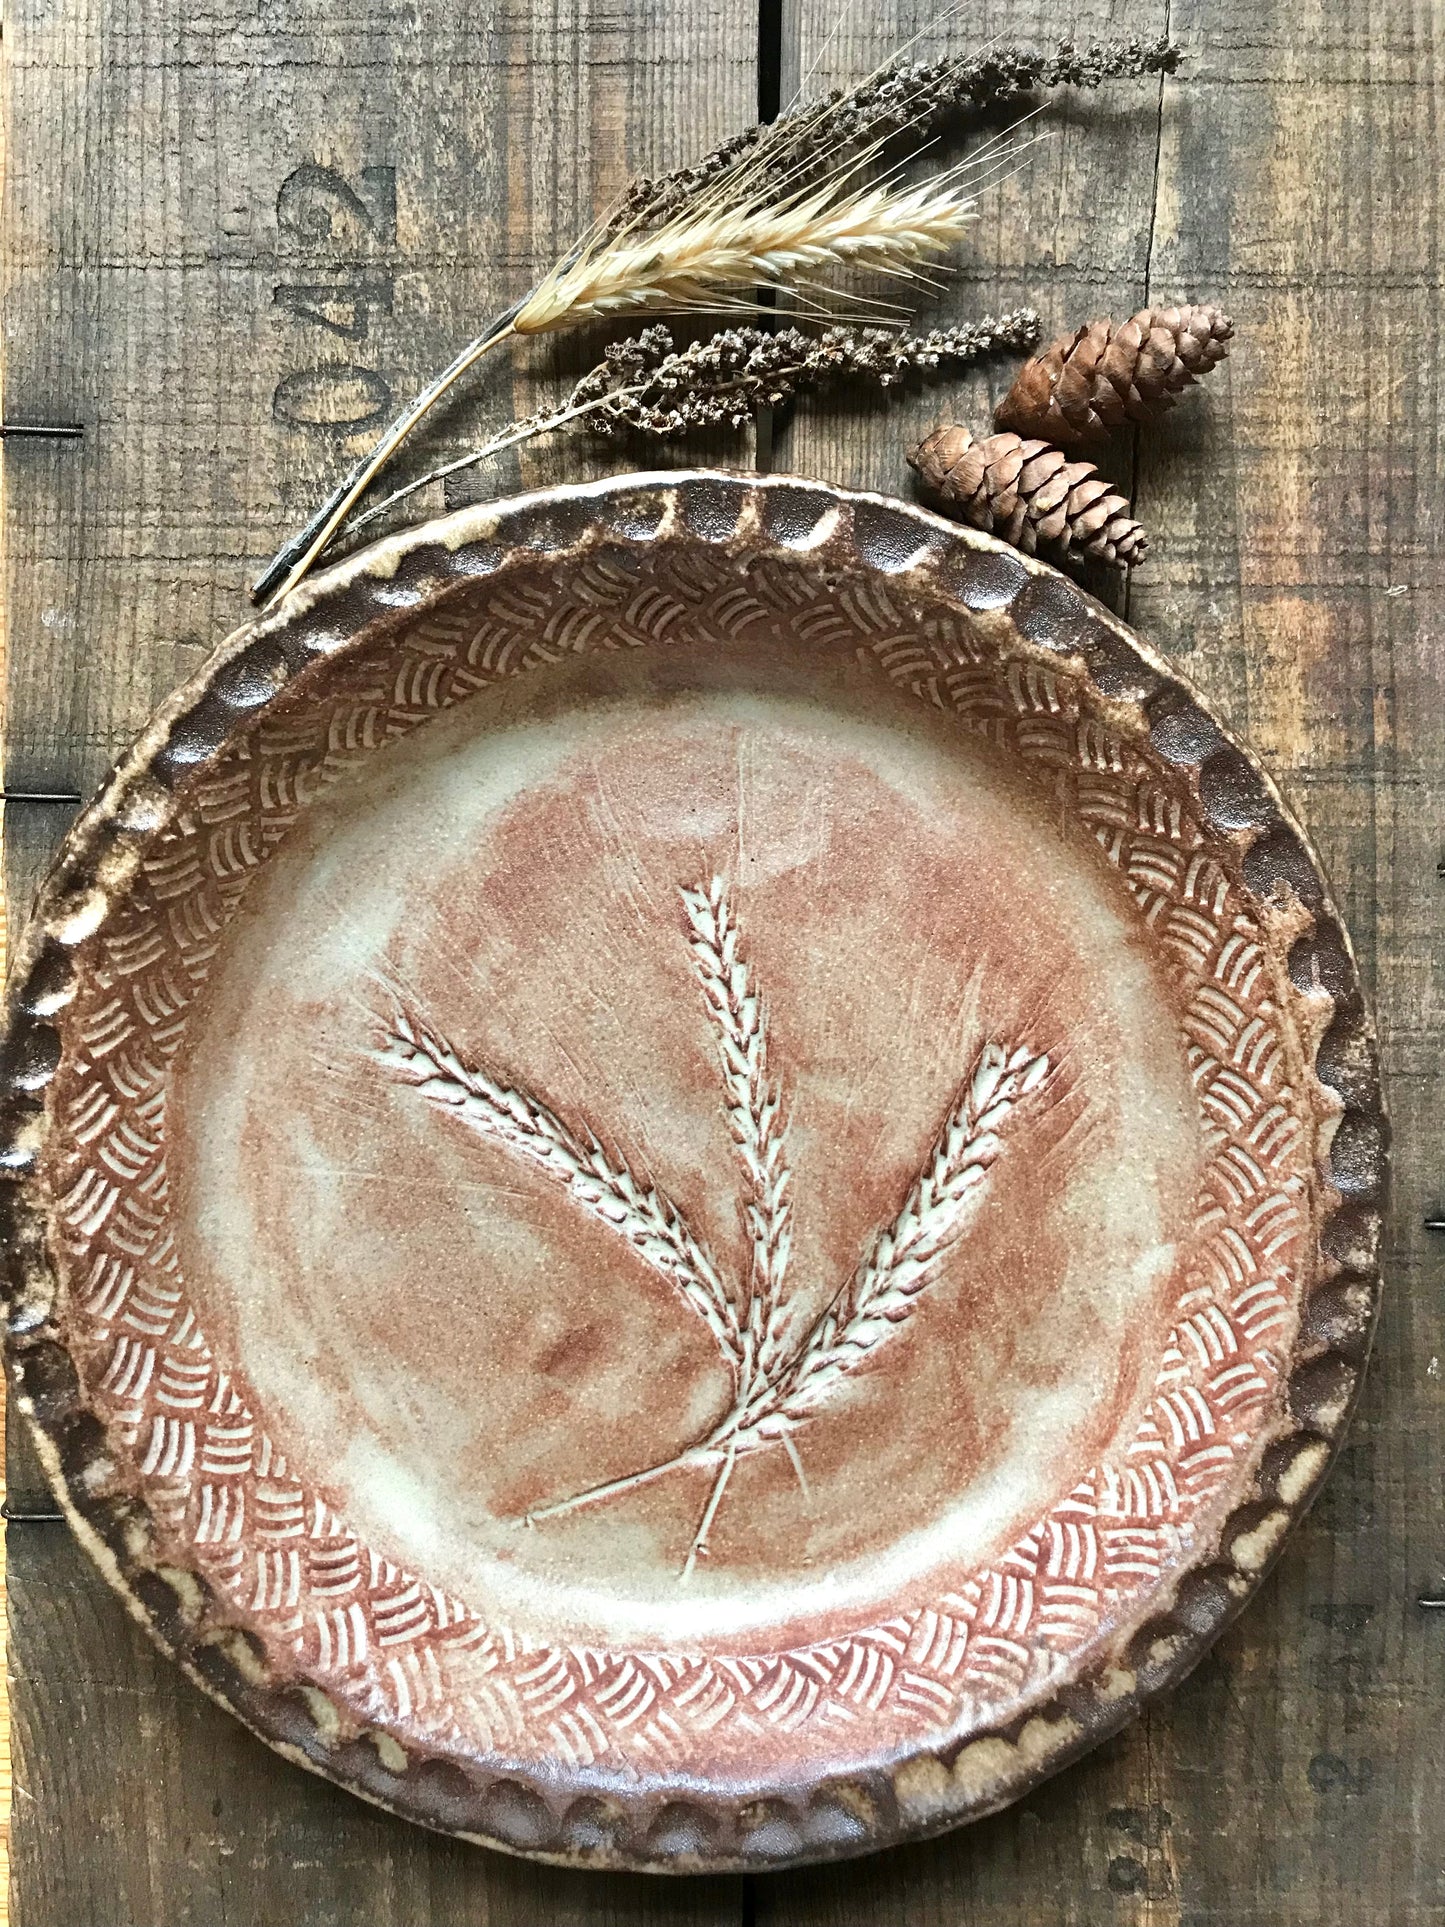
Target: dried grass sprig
x,y
652,388
918,98
782,157
648,386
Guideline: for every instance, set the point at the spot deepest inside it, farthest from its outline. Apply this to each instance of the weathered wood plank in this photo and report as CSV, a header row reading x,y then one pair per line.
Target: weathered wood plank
x,y
229,235
1297,185
226,237
1296,574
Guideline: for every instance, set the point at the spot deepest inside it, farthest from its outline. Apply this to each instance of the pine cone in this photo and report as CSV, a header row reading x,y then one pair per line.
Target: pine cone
x,y
1031,494
1100,377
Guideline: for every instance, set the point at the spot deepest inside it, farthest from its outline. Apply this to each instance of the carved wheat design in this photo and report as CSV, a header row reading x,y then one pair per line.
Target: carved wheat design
x,y
904,1258
600,1182
778,1385
754,1113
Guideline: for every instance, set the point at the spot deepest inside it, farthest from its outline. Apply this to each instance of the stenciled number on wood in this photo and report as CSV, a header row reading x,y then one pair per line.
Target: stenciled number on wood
x,y
318,209
781,1376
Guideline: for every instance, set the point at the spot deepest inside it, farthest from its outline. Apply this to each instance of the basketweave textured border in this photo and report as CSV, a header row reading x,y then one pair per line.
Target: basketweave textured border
x,y
394,1655
904,550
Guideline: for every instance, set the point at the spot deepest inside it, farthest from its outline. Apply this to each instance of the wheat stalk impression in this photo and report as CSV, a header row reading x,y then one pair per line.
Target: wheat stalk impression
x,y
905,1257
754,1113
599,1181
781,1378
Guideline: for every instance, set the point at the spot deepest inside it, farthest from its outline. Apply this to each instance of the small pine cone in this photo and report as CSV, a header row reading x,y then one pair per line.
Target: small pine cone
x,y
1100,377
1031,494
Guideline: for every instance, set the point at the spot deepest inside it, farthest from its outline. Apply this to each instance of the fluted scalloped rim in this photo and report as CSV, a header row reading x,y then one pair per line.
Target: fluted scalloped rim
x,y
356,603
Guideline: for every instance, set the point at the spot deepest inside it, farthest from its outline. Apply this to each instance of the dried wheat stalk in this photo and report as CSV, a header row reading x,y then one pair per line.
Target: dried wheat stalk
x,y
699,259
601,1183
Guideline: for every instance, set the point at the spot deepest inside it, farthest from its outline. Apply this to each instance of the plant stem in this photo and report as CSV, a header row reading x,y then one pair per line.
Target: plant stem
x,y
293,561
714,1500
510,437
595,1494
675,390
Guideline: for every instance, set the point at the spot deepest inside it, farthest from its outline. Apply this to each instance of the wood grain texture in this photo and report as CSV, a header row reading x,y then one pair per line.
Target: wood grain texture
x,y
222,228
230,232
1289,173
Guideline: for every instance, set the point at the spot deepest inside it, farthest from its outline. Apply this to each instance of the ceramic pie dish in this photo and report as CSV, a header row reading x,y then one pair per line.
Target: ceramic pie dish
x,y
693,1174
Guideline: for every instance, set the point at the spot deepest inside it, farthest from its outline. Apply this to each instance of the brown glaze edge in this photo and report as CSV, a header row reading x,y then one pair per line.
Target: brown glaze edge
x,y
932,1789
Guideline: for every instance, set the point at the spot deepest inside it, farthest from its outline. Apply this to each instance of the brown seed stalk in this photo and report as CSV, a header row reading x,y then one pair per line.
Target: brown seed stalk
x,y
917,98
647,386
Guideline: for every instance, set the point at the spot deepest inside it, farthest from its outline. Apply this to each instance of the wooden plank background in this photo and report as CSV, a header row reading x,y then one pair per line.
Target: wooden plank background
x,y
224,228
